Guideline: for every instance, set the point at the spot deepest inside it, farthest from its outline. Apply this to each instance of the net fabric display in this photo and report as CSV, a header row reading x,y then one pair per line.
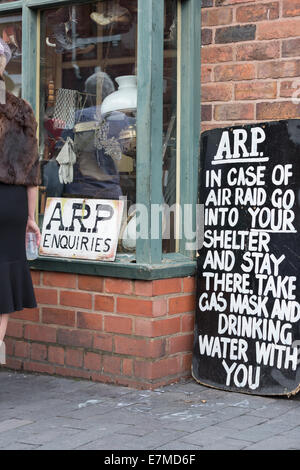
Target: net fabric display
x,y
65,107
110,145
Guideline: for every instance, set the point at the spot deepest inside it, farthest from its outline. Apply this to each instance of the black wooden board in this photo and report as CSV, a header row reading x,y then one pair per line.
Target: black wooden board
x,y
247,328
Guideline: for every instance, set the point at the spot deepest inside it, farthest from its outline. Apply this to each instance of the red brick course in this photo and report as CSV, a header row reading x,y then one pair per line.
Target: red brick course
x,y
250,75
135,333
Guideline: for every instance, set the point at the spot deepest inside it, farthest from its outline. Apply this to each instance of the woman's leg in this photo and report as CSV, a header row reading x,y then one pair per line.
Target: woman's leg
x,y
3,325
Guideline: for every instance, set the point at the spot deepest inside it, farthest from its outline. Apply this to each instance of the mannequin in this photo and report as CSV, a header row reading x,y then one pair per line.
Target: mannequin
x,y
95,171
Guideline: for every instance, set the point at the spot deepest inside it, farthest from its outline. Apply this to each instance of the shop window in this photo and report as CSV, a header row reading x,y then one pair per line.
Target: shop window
x,y
11,32
88,95
87,104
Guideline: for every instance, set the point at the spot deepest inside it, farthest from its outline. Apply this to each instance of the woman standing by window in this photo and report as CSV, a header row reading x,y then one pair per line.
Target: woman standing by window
x,y
19,178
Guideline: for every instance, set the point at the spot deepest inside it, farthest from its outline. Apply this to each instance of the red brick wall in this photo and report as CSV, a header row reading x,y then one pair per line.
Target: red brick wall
x,y
136,333
250,61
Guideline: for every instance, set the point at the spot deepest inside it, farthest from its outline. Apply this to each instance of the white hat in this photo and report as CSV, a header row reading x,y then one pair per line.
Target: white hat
x,y
5,50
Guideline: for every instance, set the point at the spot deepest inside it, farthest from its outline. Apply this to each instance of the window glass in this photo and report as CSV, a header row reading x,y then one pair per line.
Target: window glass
x,y
87,105
169,123
88,94
11,32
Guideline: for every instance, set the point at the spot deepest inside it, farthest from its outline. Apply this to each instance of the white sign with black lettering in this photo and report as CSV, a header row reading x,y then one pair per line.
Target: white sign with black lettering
x,y
81,228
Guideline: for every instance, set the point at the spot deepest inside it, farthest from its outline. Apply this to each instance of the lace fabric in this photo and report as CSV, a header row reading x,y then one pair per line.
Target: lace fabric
x,y
65,108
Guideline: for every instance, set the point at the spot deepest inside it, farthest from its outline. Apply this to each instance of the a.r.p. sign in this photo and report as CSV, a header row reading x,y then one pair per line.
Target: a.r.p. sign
x,y
81,228
247,333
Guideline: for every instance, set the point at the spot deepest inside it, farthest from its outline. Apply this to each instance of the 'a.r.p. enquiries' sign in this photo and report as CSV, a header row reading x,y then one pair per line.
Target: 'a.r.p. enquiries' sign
x,y
81,228
247,333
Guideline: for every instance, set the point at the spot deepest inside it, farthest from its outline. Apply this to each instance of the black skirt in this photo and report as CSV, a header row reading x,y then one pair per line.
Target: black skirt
x,y
16,289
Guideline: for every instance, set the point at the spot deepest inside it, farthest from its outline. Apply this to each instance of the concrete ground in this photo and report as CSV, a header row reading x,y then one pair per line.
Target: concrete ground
x,y
45,412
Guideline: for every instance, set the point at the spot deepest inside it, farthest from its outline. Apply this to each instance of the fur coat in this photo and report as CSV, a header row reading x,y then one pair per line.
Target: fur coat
x,y
19,159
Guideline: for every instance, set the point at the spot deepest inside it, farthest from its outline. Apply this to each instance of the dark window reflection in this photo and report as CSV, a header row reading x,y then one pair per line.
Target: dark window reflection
x,y
84,51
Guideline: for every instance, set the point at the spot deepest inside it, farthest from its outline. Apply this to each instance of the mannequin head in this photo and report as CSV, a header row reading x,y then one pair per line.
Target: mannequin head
x,y
98,79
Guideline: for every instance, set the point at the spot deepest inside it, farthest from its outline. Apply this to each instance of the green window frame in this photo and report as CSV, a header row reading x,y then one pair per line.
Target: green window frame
x,y
149,262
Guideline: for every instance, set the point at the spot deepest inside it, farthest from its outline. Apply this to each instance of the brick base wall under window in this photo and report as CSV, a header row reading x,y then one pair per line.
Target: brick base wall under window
x,y
135,333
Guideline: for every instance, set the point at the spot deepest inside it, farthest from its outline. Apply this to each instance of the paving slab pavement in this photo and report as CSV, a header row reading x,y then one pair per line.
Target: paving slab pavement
x,y
53,413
